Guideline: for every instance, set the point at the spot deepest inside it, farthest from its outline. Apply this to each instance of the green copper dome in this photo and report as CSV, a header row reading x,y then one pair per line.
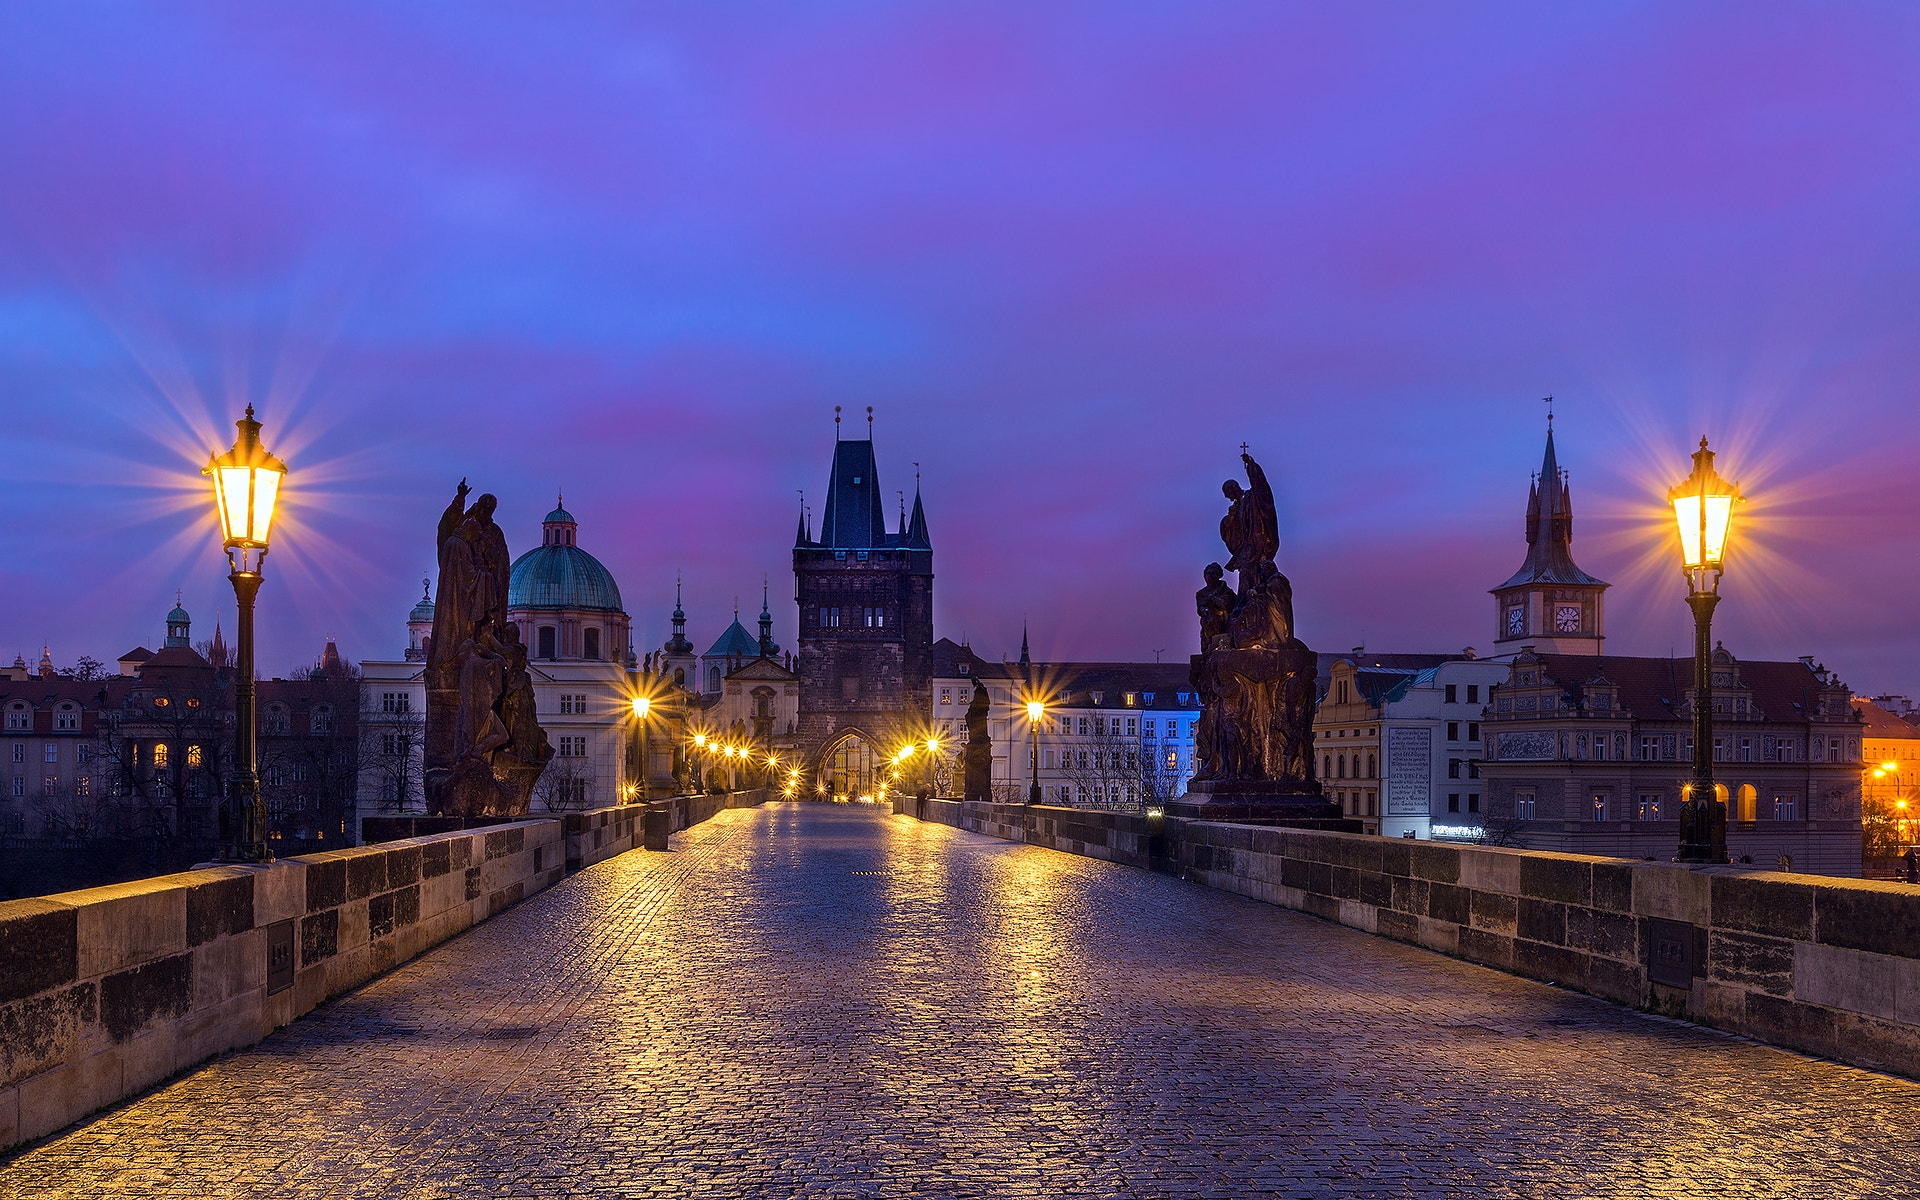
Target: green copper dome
x,y
560,576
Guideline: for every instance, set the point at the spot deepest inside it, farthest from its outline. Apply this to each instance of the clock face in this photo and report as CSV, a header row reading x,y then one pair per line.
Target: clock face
x,y
1516,621
1566,618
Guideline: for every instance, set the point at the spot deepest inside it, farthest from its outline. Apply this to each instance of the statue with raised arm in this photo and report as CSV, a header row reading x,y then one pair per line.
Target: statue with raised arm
x,y
1253,678
483,749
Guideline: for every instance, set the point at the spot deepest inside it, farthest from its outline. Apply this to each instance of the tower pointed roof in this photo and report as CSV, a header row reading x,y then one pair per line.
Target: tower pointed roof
x,y
1550,530
1025,658
853,518
678,643
768,647
917,538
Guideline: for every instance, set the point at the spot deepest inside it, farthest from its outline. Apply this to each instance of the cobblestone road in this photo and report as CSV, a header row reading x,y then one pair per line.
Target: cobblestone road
x,y
831,1001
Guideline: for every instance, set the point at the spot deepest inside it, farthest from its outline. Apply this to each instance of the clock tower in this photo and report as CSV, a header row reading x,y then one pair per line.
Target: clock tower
x,y
1550,604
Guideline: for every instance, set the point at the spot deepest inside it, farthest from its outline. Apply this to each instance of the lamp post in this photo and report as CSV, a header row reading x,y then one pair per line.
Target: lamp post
x,y
1703,510
642,709
246,488
1036,709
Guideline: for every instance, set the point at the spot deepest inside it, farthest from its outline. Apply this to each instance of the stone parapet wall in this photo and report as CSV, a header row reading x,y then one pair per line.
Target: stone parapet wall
x,y
1824,965
601,833
106,992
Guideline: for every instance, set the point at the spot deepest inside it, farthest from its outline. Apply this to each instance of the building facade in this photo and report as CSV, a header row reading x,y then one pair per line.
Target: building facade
x,y
1889,779
1114,735
864,647
1397,741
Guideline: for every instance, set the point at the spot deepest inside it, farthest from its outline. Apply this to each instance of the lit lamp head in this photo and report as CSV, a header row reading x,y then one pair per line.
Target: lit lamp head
x,y
1035,710
642,705
1703,509
933,745
700,740
246,488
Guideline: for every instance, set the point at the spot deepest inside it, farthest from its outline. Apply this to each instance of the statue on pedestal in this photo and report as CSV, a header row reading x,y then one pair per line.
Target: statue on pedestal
x,y
484,746
979,753
1255,679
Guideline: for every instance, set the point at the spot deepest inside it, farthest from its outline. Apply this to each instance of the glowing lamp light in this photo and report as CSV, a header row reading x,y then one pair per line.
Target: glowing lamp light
x,y
642,706
1035,710
1703,509
700,740
246,489
933,745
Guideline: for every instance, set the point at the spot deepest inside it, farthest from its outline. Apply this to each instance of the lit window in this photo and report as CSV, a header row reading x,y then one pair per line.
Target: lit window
x,y
159,754
193,756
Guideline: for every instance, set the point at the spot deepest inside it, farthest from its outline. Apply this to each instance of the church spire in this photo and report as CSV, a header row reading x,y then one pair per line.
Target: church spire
x,y
767,647
1025,658
678,644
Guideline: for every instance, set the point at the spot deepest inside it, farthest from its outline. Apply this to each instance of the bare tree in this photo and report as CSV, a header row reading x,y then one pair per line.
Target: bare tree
x,y
87,669
1107,769
567,785
391,748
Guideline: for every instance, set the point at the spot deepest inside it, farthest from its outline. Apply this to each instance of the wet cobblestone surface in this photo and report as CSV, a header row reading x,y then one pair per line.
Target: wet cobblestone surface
x,y
830,1001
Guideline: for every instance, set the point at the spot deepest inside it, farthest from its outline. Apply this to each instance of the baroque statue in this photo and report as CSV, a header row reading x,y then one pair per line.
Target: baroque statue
x,y
1255,679
979,753
484,746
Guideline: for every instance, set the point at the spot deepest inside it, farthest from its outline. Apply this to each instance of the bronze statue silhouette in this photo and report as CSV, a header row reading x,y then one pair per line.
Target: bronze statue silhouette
x,y
484,746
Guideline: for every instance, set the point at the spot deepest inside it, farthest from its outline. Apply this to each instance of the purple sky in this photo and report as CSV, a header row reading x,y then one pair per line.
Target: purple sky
x,y
1073,255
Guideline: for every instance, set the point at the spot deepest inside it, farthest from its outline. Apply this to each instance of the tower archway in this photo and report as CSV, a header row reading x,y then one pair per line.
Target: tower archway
x,y
852,768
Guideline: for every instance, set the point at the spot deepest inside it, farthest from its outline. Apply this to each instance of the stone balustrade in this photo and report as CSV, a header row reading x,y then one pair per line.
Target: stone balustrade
x,y
106,992
1824,965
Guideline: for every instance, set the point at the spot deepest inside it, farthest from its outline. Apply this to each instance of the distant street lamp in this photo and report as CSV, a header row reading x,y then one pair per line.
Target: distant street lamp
x,y
1036,709
642,709
246,488
1703,509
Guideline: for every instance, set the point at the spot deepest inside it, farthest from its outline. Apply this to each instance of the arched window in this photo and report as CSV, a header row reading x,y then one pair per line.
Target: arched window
x,y
1370,768
713,679
1749,803
1326,767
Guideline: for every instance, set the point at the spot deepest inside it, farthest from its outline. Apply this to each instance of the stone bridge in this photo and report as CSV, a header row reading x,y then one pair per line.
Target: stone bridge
x,y
810,999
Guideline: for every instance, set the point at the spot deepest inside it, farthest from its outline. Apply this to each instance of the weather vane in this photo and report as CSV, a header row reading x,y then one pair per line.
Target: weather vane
x,y
1548,401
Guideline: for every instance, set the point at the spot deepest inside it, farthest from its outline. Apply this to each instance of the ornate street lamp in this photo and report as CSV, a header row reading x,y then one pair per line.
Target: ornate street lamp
x,y
246,488
1703,509
1036,709
642,709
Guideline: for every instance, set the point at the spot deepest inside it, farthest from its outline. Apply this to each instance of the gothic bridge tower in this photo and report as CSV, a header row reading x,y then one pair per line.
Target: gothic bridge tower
x,y
865,652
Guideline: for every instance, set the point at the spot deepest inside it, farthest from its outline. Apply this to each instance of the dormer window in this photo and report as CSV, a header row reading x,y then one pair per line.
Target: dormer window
x,y
1098,696
963,668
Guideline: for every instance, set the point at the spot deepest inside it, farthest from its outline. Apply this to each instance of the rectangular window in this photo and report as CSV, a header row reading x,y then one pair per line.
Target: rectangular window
x,y
1453,801
592,647
1084,727
1046,759
1599,806
1473,801
52,752
1523,805
83,753
1130,727
1453,768
1453,731
1473,693
19,752
1452,694
1783,807
159,754
389,701
82,787
1473,731
946,695
1746,749
1473,768
19,785
193,756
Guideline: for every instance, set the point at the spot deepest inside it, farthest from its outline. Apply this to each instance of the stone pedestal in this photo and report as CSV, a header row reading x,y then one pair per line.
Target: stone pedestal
x,y
1263,802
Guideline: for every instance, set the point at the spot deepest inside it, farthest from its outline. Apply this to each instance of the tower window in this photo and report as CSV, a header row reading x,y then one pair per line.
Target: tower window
x,y
592,643
546,642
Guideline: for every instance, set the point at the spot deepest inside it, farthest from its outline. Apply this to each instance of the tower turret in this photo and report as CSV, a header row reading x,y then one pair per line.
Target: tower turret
x,y
1550,602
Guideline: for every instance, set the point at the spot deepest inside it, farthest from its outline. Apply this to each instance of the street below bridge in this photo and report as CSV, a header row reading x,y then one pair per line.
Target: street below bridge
x,y
821,1000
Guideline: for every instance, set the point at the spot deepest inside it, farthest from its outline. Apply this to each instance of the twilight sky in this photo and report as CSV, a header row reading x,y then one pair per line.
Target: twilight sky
x,y
1073,255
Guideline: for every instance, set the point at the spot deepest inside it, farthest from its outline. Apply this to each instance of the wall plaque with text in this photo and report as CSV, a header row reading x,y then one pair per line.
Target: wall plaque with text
x,y
1409,772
